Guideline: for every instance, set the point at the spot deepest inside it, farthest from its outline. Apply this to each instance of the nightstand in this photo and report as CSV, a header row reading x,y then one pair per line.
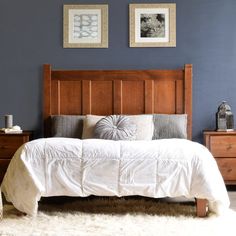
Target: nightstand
x,y
9,143
222,145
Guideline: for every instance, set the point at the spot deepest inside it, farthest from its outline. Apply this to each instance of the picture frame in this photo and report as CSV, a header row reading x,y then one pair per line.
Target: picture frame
x,y
85,26
152,25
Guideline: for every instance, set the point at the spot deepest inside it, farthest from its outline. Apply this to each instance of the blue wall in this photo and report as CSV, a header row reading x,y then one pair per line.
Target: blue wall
x,y
31,35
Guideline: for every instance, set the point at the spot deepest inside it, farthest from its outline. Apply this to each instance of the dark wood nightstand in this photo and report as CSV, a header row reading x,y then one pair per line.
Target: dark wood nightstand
x,y
223,147
9,143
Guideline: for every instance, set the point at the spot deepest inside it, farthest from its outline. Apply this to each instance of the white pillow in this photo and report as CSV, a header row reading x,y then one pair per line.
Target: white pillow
x,y
89,125
145,126
144,123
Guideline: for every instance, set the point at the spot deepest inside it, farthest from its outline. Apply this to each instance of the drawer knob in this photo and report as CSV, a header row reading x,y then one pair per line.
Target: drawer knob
x,y
229,146
229,170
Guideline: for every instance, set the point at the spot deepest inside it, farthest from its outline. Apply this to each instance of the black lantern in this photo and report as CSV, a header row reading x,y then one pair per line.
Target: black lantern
x,y
224,118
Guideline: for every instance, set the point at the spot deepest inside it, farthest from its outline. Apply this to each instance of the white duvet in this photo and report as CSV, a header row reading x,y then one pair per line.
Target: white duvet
x,y
73,167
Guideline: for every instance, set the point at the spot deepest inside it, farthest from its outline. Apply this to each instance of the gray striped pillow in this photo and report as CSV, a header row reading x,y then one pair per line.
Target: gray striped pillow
x,y
170,126
69,126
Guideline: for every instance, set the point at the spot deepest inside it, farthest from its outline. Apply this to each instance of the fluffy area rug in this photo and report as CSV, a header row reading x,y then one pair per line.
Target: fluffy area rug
x,y
115,216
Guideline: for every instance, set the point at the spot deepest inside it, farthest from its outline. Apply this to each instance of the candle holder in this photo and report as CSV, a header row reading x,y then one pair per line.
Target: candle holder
x,y
8,121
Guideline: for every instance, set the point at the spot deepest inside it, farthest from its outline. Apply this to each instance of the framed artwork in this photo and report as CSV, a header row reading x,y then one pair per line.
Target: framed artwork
x,y
85,26
152,25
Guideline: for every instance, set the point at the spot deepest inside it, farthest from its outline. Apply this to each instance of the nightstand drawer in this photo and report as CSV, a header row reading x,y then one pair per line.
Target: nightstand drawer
x,y
227,168
3,167
9,145
223,146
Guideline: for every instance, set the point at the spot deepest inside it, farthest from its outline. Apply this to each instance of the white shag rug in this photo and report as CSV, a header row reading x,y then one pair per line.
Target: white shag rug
x,y
115,216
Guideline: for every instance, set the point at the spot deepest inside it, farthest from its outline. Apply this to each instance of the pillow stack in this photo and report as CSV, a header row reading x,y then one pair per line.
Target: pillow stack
x,y
120,127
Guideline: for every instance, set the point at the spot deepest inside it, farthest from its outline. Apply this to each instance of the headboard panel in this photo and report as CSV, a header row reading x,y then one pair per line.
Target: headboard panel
x,y
105,92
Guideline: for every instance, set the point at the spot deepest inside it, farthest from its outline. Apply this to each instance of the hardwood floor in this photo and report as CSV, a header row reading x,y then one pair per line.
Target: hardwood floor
x,y
232,196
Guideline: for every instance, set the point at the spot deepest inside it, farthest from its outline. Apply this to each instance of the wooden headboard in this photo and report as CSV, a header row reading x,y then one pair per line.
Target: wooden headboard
x,y
106,92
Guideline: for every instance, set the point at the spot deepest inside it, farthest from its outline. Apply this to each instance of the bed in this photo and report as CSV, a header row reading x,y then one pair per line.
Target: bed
x,y
153,167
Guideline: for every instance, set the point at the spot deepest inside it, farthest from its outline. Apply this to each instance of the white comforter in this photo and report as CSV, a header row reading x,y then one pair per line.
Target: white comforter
x,y
73,167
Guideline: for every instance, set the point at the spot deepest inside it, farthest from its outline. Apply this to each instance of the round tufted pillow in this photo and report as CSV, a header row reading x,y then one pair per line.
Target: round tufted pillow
x,y
115,127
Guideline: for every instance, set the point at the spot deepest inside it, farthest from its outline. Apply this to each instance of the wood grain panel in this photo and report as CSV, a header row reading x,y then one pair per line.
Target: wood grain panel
x,y
164,97
71,104
86,97
101,97
179,97
149,96
55,98
117,96
47,105
133,94
176,74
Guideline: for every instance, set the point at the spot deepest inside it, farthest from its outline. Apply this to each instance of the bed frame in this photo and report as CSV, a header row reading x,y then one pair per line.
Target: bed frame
x,y
106,92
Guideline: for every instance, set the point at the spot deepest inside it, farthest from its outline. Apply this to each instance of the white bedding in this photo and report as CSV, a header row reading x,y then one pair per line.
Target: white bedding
x,y
73,167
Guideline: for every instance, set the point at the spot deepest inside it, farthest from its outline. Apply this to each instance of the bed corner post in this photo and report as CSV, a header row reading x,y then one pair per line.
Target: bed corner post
x,y
47,98
188,96
201,205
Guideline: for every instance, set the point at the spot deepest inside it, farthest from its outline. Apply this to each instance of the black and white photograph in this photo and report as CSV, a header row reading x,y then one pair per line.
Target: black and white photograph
x,y
85,26
152,25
